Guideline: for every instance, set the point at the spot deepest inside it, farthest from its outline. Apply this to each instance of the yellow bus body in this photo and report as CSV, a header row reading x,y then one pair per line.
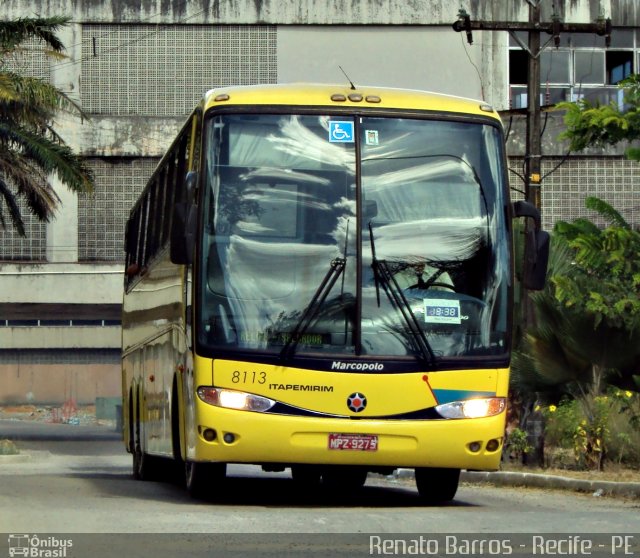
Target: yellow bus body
x,y
164,416
266,438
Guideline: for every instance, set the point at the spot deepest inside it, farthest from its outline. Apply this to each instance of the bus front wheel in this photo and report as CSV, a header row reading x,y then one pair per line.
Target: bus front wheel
x,y
436,485
204,480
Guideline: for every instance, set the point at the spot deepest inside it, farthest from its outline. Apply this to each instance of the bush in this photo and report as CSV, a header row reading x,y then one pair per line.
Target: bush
x,y
7,447
595,429
516,445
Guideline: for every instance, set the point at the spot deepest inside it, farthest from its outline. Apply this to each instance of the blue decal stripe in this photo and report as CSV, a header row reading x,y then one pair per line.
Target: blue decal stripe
x,y
449,395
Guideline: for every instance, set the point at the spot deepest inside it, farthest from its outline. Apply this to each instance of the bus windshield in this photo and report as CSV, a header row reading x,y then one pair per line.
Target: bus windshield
x,y
353,236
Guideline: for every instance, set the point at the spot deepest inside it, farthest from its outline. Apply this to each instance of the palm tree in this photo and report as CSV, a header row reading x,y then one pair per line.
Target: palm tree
x,y
30,148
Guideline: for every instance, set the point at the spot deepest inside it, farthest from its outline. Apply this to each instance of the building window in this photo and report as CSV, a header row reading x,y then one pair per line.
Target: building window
x,y
32,246
580,68
163,70
518,66
619,66
588,67
102,214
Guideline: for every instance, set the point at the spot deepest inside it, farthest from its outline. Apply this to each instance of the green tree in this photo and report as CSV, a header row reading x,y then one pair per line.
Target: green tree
x,y
603,288
596,125
587,331
30,149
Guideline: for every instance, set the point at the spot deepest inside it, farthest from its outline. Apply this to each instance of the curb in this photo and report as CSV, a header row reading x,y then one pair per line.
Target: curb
x,y
15,458
595,487
25,456
535,480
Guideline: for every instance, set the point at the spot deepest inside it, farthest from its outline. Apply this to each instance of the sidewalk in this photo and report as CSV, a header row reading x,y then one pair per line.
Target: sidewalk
x,y
596,488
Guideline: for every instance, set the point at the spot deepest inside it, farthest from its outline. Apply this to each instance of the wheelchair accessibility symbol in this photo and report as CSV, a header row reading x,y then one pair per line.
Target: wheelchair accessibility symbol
x,y
341,131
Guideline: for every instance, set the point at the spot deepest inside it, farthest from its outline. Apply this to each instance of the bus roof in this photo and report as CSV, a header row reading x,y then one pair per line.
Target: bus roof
x,y
315,95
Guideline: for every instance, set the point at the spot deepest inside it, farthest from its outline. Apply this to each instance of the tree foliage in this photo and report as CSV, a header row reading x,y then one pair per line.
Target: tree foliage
x,y
587,330
30,148
595,125
604,283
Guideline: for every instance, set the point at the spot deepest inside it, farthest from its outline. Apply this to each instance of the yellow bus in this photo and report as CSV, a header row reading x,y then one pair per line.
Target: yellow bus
x,y
320,278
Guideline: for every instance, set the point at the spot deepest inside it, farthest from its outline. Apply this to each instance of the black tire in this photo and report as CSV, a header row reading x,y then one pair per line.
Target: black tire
x,y
437,486
204,480
177,470
144,465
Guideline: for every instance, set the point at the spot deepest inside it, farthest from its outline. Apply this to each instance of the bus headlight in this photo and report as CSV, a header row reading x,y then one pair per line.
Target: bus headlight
x,y
472,408
231,399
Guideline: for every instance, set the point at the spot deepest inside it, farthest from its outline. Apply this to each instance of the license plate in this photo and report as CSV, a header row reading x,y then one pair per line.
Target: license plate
x,y
354,442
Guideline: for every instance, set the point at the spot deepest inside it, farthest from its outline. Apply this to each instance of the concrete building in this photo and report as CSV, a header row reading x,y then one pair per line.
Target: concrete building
x,y
138,68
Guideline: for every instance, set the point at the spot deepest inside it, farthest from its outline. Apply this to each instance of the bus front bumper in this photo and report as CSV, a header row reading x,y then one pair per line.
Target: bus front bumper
x,y
231,436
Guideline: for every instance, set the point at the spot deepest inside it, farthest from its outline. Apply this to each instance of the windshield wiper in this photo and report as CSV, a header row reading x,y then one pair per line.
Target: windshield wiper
x,y
310,312
381,274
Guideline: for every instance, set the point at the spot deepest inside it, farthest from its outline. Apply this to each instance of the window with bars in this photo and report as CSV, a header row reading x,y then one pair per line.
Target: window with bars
x,y
163,70
32,246
102,215
29,60
564,190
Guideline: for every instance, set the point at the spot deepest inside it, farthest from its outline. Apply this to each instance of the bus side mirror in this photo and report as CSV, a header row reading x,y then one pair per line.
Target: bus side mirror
x,y
184,224
536,251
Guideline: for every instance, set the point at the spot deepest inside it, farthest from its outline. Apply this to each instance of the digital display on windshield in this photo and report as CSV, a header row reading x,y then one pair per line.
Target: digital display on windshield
x,y
441,311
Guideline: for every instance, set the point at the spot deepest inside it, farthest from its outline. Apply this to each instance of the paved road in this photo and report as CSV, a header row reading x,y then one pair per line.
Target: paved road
x,y
74,484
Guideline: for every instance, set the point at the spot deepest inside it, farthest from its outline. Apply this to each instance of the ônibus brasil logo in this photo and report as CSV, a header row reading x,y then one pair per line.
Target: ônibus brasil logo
x,y
33,546
356,402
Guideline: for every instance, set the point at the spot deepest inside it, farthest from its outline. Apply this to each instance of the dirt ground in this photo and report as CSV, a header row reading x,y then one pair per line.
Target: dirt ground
x,y
69,413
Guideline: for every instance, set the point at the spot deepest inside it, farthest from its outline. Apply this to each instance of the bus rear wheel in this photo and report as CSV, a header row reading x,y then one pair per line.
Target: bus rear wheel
x,y
204,480
145,467
436,485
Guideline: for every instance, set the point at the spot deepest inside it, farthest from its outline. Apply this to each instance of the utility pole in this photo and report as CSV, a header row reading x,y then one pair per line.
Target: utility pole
x,y
534,47
533,149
